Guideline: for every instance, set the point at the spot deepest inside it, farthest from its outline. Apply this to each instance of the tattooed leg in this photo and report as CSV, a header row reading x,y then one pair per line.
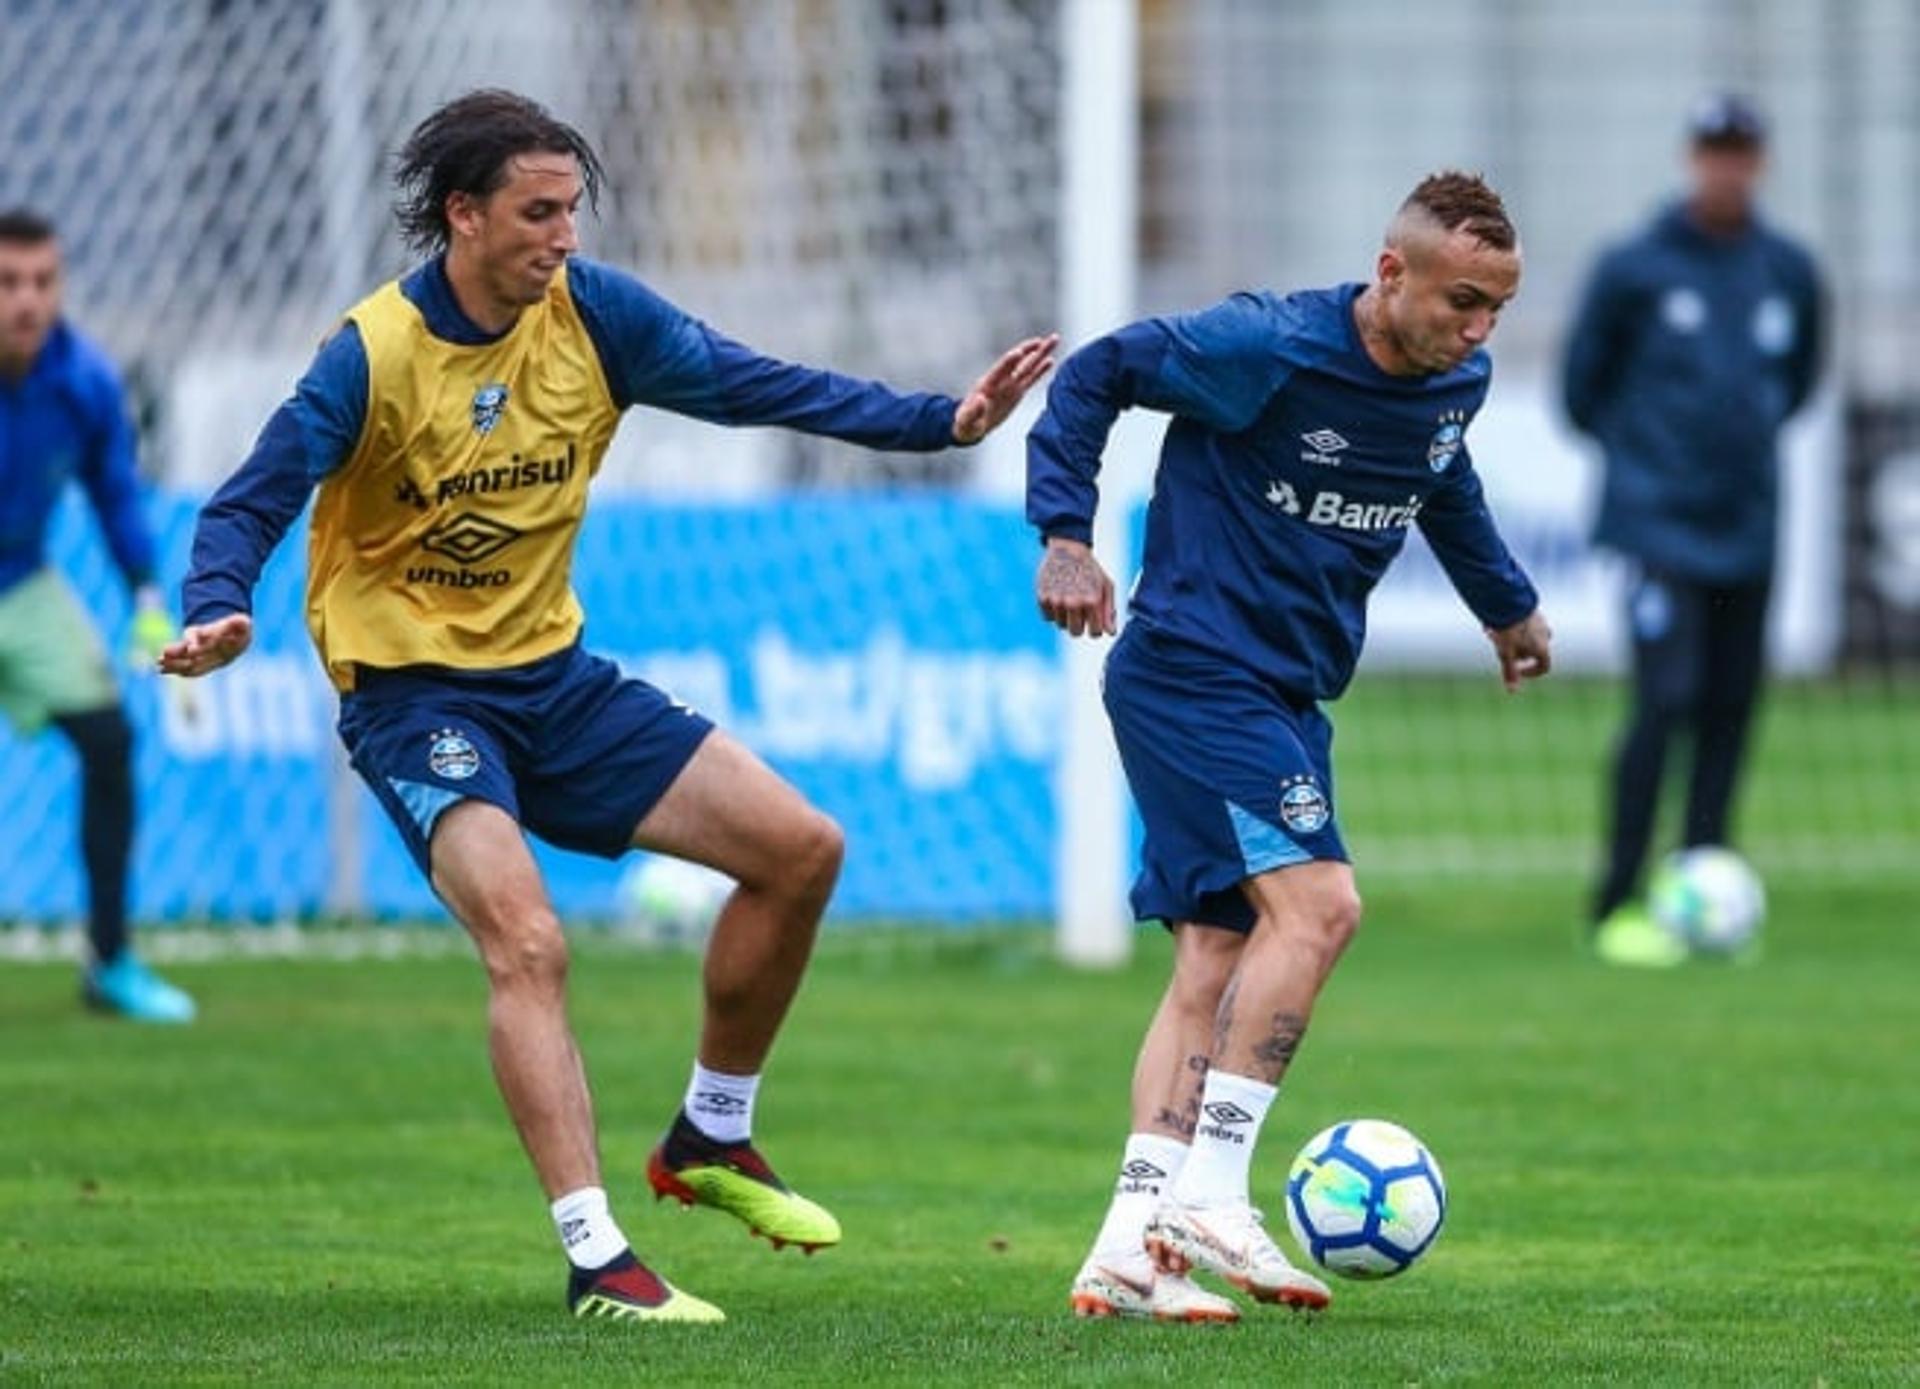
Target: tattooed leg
x,y
1173,1058
1307,914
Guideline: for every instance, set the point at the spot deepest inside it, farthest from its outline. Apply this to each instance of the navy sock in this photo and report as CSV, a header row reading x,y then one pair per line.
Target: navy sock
x,y
104,740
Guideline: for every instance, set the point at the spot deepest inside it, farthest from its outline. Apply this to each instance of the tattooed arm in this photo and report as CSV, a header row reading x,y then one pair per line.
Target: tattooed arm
x,y
1217,367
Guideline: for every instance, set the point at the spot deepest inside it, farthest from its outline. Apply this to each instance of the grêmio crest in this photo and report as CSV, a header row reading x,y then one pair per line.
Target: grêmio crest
x,y
1448,435
489,403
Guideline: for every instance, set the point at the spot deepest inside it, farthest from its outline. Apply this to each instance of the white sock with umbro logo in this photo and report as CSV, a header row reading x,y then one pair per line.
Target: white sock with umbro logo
x,y
720,1105
587,1229
1232,1109
1147,1170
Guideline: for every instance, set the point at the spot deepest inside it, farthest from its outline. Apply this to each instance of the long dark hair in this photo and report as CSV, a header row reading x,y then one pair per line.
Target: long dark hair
x,y
464,148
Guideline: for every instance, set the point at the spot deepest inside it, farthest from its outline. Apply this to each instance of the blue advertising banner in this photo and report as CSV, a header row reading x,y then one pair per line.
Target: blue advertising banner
x,y
883,653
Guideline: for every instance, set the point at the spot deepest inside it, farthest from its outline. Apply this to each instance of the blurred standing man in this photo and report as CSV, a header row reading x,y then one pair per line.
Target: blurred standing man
x,y
452,425
1696,341
1310,432
63,416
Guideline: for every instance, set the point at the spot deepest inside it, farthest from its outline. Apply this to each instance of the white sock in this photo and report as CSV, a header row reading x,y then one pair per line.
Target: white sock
x,y
587,1230
1232,1109
1147,1170
721,1106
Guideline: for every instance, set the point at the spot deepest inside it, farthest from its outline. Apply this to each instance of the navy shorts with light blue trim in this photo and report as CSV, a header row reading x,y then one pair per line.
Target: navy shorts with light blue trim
x,y
570,747
1232,778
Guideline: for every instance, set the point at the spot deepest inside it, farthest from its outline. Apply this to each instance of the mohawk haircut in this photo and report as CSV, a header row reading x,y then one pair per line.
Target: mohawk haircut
x,y
464,147
1457,201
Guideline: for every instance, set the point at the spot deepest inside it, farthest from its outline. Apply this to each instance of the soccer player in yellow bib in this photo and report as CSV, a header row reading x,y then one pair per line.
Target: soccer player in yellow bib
x,y
451,426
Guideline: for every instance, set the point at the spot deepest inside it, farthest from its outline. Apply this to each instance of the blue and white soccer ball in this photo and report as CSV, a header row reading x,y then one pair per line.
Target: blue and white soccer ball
x,y
668,901
1709,898
1365,1199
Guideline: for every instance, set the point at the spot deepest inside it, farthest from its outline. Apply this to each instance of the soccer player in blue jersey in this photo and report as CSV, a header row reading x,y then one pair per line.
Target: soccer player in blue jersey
x,y
1310,431
63,417
451,426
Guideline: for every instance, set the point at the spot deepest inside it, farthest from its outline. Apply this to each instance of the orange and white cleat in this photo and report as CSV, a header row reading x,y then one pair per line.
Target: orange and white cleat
x,y
1129,1286
1231,1242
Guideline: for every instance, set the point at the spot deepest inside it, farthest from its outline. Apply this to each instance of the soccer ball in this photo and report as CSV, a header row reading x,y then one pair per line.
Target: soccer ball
x,y
1365,1199
668,901
1709,898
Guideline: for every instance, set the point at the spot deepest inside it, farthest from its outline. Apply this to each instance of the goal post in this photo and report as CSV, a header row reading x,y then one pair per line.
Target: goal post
x,y
1099,200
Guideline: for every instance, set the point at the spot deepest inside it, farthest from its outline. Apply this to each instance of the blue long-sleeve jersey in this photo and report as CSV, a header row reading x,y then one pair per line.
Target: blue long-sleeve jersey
x,y
66,419
1688,354
652,354
1289,475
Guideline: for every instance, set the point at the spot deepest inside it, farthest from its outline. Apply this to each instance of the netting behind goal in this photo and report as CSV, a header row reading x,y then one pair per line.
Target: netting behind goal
x,y
874,185
856,183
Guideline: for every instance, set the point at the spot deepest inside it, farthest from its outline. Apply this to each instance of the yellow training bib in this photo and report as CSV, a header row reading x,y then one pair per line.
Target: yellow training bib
x,y
447,538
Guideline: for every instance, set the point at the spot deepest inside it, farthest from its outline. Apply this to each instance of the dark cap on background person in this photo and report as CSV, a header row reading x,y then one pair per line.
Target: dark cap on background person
x,y
1726,119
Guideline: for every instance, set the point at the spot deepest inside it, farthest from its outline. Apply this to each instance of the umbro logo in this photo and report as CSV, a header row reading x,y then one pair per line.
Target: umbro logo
x,y
469,538
1140,1170
572,1232
719,1103
1227,1112
1322,445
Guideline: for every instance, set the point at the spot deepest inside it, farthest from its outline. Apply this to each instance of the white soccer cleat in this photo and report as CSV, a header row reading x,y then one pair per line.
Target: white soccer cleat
x,y
1229,1240
1130,1287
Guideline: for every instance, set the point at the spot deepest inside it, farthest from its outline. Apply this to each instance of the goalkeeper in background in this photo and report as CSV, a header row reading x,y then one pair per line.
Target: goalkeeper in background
x,y
452,425
1310,432
63,416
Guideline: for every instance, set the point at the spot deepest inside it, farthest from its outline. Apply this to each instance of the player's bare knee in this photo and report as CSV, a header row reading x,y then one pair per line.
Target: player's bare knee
x,y
822,848
1340,917
1204,961
797,862
1324,922
530,953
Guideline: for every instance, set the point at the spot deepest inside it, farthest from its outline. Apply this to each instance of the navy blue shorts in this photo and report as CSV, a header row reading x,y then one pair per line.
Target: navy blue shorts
x,y
1232,778
571,748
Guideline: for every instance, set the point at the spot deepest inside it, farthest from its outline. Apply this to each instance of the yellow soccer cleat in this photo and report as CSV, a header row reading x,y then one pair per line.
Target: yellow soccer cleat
x,y
733,1177
1631,938
627,1290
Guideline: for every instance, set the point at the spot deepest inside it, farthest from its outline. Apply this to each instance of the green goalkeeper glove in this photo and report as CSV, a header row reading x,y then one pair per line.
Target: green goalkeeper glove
x,y
153,629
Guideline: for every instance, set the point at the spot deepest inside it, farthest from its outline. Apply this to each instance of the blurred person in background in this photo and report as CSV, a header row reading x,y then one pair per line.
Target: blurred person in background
x,y
63,417
451,426
1310,433
1697,339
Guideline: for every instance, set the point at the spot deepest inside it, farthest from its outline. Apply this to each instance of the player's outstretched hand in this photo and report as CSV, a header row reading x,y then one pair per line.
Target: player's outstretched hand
x,y
1075,593
994,395
208,646
1524,649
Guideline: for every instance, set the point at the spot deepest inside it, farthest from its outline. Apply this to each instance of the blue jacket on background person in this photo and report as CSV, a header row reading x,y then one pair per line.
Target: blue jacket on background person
x,y
67,420
1688,354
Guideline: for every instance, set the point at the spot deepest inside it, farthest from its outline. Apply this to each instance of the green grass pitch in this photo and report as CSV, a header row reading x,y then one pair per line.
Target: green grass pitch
x,y
1697,1177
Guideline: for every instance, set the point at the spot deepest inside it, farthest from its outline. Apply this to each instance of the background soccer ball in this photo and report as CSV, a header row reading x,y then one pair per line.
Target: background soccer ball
x,y
1365,1199
669,901
1709,898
